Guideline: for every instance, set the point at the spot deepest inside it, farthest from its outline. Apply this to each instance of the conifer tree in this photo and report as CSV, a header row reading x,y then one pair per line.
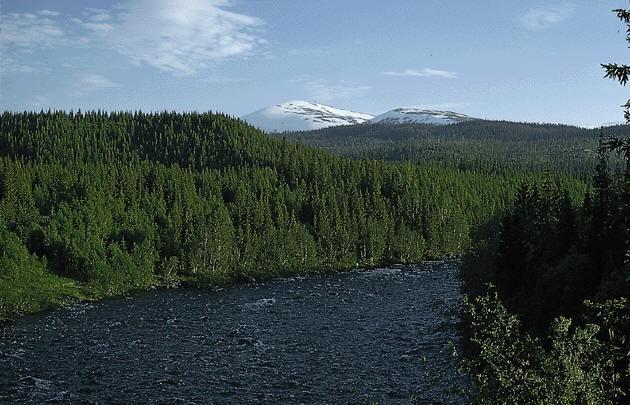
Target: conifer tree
x,y
621,72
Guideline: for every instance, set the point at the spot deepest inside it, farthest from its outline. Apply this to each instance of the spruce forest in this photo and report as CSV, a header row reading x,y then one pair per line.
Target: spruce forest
x,y
97,204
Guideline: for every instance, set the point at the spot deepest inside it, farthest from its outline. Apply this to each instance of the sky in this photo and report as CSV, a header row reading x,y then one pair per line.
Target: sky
x,y
513,60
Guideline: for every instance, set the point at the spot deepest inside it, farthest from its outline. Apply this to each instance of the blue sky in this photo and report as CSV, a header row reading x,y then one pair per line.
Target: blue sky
x,y
515,60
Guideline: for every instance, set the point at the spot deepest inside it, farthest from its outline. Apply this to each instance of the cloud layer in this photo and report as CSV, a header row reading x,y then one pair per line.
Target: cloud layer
x,y
426,72
182,37
538,18
23,33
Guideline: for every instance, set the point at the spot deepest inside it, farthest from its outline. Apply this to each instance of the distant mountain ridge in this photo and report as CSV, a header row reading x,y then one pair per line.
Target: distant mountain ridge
x,y
299,115
420,116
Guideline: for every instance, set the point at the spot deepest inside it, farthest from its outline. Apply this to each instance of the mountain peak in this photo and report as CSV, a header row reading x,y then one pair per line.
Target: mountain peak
x,y
300,115
410,115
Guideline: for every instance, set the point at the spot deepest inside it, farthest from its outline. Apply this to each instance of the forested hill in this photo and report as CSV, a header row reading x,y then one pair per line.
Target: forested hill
x,y
196,141
490,146
95,204
473,129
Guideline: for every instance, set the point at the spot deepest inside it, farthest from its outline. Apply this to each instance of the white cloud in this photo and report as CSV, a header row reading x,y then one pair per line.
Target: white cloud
x,y
542,17
426,72
101,17
26,30
97,14
95,20
24,33
224,80
182,37
97,27
10,64
320,90
90,83
48,13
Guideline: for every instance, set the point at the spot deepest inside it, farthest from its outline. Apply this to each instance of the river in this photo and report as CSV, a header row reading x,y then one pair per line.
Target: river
x,y
351,337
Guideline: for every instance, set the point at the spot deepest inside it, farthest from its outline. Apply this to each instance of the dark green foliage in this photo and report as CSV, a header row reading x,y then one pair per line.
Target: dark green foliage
x,y
551,256
113,202
548,260
576,364
481,146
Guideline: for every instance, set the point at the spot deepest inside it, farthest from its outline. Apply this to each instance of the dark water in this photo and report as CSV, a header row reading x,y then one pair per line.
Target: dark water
x,y
380,335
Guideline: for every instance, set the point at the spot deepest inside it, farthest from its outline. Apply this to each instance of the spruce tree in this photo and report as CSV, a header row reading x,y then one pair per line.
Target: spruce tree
x,y
621,72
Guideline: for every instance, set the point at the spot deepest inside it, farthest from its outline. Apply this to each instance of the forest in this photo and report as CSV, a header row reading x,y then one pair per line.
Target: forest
x,y
94,204
549,294
478,145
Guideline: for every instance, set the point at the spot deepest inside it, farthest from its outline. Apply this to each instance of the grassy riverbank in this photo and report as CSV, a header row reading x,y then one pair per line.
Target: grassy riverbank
x,y
36,290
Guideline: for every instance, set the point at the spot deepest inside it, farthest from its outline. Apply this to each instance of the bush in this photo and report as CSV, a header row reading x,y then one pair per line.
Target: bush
x,y
578,364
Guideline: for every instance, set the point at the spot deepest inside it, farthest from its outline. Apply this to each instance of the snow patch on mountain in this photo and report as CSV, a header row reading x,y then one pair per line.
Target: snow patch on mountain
x,y
419,116
303,116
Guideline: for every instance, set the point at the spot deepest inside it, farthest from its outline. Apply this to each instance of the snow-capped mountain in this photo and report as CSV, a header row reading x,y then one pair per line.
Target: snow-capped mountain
x,y
303,116
418,116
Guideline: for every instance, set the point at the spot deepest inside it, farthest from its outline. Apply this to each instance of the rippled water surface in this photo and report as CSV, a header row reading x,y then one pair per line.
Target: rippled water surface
x,y
355,337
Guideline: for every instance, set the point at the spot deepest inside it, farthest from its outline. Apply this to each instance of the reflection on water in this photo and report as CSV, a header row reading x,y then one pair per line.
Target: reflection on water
x,y
379,335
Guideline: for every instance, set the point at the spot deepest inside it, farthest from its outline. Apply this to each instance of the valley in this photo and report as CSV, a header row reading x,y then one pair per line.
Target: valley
x,y
226,201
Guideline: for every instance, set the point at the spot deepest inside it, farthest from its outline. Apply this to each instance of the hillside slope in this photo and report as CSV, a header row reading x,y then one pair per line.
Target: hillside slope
x,y
489,146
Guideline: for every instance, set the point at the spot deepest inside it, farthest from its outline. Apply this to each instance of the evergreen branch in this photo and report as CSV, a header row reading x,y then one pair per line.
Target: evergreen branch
x,y
617,72
623,15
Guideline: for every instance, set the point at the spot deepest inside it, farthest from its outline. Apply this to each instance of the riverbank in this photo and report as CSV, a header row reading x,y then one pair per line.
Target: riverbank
x,y
29,292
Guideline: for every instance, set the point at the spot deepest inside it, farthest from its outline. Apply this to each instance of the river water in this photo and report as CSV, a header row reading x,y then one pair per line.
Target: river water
x,y
353,337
